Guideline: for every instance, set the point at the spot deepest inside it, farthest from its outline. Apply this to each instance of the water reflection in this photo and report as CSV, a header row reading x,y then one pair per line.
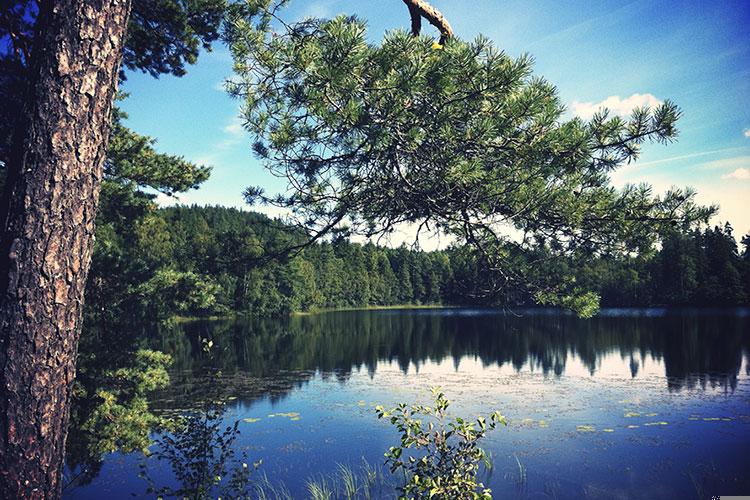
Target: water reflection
x,y
622,376
202,457
690,350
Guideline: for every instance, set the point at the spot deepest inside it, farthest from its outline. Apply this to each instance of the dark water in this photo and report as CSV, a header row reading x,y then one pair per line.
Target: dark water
x,y
647,404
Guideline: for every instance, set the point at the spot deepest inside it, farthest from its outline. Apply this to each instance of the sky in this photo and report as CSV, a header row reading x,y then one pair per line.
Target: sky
x,y
598,53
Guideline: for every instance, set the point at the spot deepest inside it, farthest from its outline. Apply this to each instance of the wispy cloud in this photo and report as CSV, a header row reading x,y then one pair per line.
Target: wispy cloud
x,y
318,9
686,157
740,174
727,163
233,134
614,104
235,128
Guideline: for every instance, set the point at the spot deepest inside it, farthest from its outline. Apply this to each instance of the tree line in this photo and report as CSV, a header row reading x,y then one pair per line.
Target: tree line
x,y
202,261
691,268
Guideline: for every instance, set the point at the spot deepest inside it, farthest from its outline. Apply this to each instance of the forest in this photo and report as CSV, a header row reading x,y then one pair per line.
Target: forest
x,y
211,261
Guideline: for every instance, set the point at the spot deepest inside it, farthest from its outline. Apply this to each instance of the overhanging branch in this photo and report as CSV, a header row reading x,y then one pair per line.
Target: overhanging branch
x,y
419,9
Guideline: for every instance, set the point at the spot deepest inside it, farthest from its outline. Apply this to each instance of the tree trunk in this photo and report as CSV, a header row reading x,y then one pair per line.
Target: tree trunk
x,y
48,221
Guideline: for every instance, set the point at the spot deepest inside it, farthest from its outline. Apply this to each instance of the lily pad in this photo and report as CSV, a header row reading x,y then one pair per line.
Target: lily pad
x,y
291,415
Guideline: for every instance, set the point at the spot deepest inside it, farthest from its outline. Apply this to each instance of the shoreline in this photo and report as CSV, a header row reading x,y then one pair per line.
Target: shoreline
x,y
603,312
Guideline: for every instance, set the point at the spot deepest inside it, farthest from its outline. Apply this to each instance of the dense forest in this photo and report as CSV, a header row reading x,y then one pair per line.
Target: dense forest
x,y
199,261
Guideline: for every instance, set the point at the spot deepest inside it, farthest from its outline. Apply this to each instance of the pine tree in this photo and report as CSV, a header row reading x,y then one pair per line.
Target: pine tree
x,y
460,138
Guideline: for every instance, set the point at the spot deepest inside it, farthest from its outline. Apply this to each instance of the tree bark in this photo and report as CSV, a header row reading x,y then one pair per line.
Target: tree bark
x,y
48,234
419,9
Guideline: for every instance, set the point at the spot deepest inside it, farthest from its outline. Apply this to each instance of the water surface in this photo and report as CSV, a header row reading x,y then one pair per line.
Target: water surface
x,y
631,404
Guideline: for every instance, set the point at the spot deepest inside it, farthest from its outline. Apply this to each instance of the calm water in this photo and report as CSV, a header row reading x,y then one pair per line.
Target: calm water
x,y
643,404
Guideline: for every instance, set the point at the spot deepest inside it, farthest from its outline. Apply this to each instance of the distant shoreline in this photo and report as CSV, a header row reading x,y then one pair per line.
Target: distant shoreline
x,y
375,308
603,312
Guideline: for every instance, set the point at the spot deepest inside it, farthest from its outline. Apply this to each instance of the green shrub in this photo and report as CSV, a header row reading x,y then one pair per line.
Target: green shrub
x,y
439,456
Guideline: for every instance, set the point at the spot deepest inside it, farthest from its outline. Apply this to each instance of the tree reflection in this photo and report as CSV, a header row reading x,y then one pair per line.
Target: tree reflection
x,y
110,410
203,460
696,350
123,393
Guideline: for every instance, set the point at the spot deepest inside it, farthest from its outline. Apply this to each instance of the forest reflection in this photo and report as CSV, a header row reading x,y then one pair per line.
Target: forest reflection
x,y
134,381
271,356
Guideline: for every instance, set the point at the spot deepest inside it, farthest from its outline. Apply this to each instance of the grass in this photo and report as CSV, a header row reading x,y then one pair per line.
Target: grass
x,y
319,489
366,482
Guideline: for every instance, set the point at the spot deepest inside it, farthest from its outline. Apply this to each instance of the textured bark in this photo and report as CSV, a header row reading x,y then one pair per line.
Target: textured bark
x,y
419,9
48,221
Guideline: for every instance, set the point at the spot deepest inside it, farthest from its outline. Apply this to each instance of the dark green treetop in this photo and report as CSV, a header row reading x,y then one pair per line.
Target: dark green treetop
x,y
458,138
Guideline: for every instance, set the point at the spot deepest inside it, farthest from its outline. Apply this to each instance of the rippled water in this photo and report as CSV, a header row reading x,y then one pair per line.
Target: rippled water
x,y
631,404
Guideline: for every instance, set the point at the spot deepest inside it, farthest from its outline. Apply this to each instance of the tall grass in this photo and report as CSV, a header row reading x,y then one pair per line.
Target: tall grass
x,y
319,489
365,482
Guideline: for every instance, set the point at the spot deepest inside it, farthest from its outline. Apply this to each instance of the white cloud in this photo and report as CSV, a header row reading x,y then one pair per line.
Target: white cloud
x,y
737,162
234,127
234,132
318,9
746,133
615,105
740,174
164,200
686,157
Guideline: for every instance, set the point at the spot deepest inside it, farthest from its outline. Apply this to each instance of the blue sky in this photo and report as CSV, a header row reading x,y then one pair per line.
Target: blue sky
x,y
696,53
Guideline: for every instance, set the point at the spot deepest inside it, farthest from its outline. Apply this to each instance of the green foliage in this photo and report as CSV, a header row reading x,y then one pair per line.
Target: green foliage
x,y
133,161
440,458
464,140
171,292
199,261
585,304
131,241
164,35
121,420
203,261
699,268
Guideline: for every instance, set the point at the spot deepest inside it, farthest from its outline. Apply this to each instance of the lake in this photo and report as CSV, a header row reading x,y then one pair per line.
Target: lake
x,y
629,404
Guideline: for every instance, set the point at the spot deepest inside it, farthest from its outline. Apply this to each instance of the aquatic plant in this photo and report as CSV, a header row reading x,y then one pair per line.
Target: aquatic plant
x,y
319,489
438,456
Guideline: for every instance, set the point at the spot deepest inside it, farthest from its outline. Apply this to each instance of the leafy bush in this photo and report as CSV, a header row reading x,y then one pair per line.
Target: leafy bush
x,y
439,456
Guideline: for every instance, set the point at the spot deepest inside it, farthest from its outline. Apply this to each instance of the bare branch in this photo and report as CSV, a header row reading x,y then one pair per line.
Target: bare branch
x,y
419,9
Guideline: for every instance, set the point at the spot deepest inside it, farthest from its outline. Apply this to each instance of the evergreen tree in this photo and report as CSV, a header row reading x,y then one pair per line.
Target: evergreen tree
x,y
461,138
